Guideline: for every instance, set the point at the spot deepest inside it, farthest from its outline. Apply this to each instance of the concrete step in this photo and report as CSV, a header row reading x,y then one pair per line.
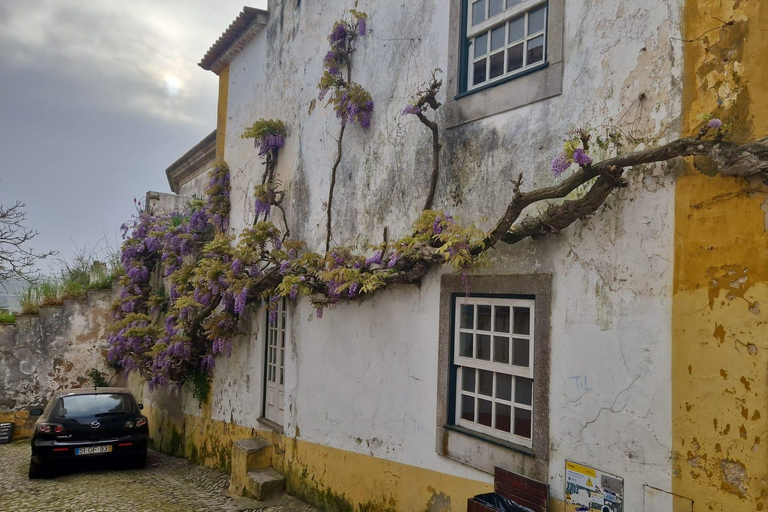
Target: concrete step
x,y
264,483
248,455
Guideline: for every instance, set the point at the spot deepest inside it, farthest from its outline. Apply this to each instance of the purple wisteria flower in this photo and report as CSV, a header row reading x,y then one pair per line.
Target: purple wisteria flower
x,y
269,142
262,208
559,165
581,157
375,259
294,291
240,301
393,260
319,312
411,109
361,27
284,266
715,124
352,290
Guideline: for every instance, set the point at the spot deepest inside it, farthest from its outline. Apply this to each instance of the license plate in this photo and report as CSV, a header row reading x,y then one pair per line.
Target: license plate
x,y
92,450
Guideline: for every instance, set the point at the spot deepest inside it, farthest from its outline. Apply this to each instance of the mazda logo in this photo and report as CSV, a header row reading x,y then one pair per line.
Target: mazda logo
x,y
95,424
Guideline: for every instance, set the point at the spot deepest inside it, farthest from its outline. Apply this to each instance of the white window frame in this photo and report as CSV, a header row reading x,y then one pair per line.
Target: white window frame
x,y
485,27
274,364
460,362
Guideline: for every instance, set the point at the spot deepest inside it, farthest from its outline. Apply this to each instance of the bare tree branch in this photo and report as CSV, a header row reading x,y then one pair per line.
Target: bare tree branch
x,y
16,260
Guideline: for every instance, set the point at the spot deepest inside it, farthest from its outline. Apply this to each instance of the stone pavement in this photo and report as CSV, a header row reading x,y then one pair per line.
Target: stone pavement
x,y
167,484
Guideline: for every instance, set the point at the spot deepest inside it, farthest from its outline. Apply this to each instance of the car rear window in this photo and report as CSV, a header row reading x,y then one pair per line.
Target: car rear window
x,y
91,405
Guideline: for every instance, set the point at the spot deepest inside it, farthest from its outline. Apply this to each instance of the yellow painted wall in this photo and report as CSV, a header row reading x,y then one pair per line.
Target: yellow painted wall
x,y
221,115
720,302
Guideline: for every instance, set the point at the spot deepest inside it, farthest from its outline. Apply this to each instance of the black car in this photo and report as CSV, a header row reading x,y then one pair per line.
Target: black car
x,y
81,424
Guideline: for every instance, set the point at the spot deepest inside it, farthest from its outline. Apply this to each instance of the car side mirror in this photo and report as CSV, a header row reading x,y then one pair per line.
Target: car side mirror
x,y
37,411
141,407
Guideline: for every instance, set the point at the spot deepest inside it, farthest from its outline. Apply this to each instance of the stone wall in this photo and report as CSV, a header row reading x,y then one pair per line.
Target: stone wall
x,y
50,351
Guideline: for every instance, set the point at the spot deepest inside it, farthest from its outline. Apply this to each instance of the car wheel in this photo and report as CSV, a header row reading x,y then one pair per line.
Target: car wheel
x,y
36,470
140,460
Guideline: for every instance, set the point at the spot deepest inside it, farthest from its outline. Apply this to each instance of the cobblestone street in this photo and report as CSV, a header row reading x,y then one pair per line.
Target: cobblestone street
x,y
167,484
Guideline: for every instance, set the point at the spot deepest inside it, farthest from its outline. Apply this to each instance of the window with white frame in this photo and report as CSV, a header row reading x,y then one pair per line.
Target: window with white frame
x,y
493,362
505,38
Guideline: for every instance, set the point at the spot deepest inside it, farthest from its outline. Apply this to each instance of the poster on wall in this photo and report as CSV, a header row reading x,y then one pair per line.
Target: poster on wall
x,y
588,489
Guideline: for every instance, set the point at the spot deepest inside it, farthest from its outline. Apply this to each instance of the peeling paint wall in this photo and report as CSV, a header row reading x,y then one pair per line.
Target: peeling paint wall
x,y
720,354
40,354
362,381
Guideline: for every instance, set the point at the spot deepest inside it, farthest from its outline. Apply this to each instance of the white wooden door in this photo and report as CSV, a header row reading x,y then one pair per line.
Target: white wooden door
x,y
274,375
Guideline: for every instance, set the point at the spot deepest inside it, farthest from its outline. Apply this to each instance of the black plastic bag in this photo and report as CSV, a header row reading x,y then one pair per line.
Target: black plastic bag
x,y
500,503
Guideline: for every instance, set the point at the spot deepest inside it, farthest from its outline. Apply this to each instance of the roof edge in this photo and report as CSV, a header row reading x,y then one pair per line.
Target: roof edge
x,y
240,32
189,162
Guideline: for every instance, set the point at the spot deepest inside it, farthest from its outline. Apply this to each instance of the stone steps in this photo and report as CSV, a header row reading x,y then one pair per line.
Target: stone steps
x,y
264,483
252,472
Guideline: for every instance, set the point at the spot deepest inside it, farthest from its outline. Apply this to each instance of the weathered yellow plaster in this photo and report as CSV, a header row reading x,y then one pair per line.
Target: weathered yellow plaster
x,y
720,301
221,115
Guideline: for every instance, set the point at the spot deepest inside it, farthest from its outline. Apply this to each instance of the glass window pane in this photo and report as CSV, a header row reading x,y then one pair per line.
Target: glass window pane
x,y
468,379
504,386
497,38
536,50
484,412
522,317
478,73
511,3
495,7
467,316
524,391
522,423
478,12
520,352
485,382
503,417
467,408
500,349
484,318
481,45
515,58
536,20
483,347
517,29
465,345
497,65
501,322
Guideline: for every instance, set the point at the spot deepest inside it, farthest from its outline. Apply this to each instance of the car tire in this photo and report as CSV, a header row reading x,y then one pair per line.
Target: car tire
x,y
140,460
36,470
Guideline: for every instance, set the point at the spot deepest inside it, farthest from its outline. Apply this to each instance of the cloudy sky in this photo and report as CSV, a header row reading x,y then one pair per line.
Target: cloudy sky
x,y
97,98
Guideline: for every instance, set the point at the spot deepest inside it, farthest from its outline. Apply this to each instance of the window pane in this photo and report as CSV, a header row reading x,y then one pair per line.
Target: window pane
x,y
479,72
467,316
503,417
495,7
467,408
468,379
522,315
520,352
478,12
484,412
483,347
511,3
497,65
515,58
501,323
522,423
517,29
504,386
500,349
536,20
497,38
485,381
523,391
465,345
481,45
484,318
536,50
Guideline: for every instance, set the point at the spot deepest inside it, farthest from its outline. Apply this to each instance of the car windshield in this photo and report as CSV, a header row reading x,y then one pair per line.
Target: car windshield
x,y
93,405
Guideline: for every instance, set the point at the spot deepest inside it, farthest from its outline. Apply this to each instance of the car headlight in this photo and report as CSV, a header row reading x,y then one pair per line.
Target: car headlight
x,y
129,424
